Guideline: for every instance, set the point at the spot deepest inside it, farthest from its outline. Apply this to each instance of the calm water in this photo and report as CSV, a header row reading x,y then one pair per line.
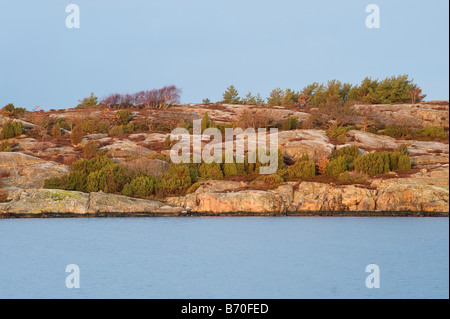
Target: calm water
x,y
225,257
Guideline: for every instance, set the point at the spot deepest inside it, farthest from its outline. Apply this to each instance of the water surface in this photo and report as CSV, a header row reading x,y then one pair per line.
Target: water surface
x,y
244,257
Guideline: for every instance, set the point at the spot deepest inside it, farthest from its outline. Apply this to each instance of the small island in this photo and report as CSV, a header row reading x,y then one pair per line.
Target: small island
x,y
372,149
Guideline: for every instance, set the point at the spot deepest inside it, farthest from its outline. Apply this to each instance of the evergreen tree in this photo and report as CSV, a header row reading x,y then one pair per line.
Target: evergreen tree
x,y
88,102
231,95
275,98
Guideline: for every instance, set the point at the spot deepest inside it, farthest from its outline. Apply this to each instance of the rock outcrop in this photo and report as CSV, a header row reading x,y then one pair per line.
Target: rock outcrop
x,y
423,192
25,171
296,143
109,203
47,201
252,201
125,148
41,201
150,166
419,115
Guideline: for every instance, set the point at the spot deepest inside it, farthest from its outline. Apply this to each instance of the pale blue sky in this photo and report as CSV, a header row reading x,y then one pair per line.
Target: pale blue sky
x,y
202,46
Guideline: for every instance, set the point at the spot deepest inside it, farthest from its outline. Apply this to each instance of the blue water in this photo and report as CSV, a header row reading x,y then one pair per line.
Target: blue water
x,y
292,257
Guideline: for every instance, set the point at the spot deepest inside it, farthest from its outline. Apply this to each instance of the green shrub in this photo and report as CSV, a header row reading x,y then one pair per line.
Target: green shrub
x,y
337,130
210,171
175,181
229,166
110,179
4,147
53,183
344,177
116,130
194,172
96,181
128,190
205,122
433,132
74,181
399,161
103,127
18,128
252,163
95,126
342,139
373,163
116,177
141,127
397,131
404,163
393,160
11,111
348,151
301,169
290,123
7,131
140,186
128,128
121,129
99,173
124,116
8,108
91,165
11,129
90,149
337,166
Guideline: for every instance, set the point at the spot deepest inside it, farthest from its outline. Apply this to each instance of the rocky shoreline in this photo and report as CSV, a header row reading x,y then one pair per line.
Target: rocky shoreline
x,y
422,191
218,198
231,214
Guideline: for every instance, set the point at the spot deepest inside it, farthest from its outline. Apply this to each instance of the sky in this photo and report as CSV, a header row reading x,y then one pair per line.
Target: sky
x,y
203,46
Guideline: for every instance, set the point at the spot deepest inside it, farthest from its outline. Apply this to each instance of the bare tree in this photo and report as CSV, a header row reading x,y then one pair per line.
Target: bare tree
x,y
156,98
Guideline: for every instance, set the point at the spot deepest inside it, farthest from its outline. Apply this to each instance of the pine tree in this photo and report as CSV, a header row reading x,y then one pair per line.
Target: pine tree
x,y
231,95
275,98
88,102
